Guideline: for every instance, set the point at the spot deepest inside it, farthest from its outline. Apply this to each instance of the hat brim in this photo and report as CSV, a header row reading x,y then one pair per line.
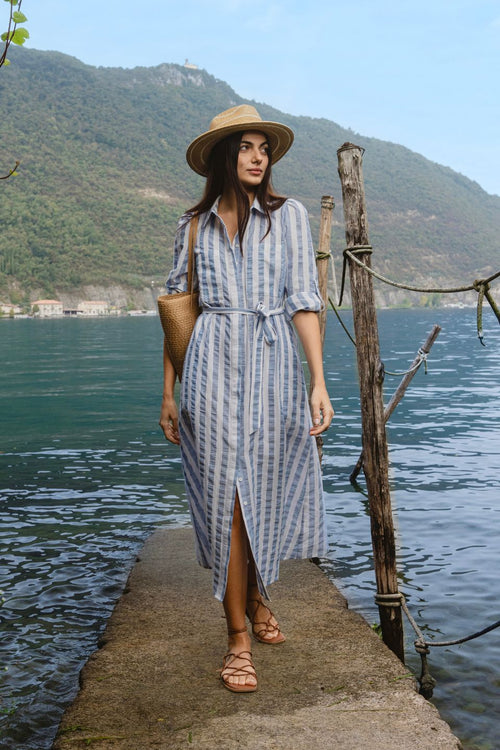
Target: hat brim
x,y
280,139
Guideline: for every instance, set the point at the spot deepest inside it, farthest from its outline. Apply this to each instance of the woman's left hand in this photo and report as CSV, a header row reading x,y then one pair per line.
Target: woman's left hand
x,y
321,410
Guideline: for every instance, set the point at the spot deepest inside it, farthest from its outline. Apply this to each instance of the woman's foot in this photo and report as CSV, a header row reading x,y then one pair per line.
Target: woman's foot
x,y
238,672
265,627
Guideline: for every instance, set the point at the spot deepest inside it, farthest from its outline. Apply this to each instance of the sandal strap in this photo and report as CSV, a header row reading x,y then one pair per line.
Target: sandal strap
x,y
267,626
241,671
231,631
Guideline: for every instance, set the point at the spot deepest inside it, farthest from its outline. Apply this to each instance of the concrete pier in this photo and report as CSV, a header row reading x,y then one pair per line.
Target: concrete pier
x,y
154,681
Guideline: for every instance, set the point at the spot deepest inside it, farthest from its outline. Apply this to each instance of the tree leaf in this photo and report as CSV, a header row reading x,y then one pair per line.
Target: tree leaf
x,y
20,35
19,17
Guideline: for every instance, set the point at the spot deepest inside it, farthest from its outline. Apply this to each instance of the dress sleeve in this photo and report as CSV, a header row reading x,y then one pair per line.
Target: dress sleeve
x,y
177,278
302,291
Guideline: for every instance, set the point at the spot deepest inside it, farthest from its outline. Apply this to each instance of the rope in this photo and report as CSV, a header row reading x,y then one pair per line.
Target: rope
x,y
332,303
357,248
421,642
422,647
481,286
421,354
422,357
397,599
479,315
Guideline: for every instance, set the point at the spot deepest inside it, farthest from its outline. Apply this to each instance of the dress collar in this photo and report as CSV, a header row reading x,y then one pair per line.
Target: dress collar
x,y
215,207
256,206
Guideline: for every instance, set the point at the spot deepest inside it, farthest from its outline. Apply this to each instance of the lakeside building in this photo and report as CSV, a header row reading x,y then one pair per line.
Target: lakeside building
x,y
10,310
93,308
47,308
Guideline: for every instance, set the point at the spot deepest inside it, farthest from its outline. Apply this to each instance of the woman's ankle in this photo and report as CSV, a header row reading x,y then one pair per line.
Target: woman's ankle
x,y
236,631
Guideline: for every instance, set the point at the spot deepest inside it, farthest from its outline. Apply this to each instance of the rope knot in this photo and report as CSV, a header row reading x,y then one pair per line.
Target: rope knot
x,y
423,358
358,249
350,252
421,647
481,285
389,600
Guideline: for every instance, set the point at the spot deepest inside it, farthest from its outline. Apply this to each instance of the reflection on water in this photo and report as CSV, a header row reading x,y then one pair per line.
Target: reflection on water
x,y
86,476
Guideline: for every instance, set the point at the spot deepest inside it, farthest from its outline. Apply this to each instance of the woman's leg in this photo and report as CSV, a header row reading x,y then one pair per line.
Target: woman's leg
x,y
237,671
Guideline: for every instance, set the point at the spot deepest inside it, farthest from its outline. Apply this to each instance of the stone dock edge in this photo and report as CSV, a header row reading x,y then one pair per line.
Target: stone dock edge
x,y
154,681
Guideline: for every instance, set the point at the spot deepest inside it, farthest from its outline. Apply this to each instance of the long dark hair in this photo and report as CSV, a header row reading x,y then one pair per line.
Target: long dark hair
x,y
222,173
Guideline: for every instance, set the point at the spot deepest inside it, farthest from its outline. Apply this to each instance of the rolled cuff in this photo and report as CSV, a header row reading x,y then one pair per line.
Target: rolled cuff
x,y
173,288
308,301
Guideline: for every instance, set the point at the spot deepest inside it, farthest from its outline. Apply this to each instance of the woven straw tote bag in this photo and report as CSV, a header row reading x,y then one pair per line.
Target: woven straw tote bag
x,y
179,311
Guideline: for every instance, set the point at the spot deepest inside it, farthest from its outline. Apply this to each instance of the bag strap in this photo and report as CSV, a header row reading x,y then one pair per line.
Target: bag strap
x,y
193,229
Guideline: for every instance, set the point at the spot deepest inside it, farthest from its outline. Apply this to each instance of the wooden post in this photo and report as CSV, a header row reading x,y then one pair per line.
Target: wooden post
x,y
376,461
401,389
322,257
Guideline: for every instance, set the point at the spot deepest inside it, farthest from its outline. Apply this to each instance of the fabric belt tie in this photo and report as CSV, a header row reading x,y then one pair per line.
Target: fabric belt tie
x,y
266,332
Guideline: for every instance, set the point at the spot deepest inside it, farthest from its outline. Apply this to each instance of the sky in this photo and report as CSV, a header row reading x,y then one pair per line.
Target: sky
x,y
422,74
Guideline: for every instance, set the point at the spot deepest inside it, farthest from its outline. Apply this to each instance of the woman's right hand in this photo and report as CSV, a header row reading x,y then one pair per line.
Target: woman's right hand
x,y
169,422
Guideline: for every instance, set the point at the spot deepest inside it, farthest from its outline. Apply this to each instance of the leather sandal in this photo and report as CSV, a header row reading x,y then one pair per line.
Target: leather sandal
x,y
246,670
261,627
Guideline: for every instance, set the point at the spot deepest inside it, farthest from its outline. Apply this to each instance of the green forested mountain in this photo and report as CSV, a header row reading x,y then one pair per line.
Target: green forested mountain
x,y
103,179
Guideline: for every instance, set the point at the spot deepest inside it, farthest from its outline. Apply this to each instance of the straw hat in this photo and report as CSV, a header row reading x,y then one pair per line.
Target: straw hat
x,y
242,117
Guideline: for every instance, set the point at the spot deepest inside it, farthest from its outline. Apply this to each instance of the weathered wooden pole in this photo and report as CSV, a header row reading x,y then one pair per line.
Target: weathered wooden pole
x,y
370,369
401,389
322,258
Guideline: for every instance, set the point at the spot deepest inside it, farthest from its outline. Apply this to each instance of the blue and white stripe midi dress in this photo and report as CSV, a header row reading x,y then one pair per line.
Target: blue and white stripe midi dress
x,y
244,415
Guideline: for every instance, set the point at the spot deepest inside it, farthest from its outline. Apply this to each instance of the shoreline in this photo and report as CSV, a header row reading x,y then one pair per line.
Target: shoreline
x,y
152,312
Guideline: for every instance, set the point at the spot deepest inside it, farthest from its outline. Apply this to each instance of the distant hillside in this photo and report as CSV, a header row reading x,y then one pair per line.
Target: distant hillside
x,y
103,179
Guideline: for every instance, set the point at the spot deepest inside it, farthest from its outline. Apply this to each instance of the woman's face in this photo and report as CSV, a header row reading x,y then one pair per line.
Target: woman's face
x,y
253,159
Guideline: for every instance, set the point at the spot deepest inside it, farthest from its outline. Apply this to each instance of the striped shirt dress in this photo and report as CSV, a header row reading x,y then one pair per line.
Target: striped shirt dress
x,y
244,415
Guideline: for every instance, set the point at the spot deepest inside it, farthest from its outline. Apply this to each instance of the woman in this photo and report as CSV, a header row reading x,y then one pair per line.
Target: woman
x,y
247,441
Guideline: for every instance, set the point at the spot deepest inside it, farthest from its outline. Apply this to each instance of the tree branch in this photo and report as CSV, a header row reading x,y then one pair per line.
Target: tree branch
x,y
10,32
12,171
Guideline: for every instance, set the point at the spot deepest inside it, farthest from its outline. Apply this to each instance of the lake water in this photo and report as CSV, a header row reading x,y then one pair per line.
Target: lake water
x,y
85,477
